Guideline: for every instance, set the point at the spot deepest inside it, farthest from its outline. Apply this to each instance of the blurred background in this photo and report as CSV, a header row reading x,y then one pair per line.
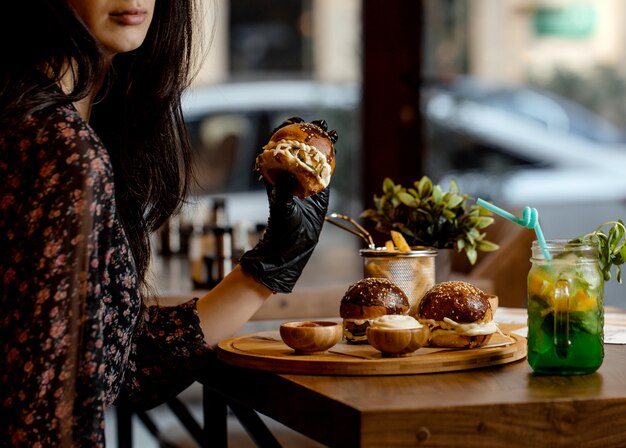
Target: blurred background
x,y
523,102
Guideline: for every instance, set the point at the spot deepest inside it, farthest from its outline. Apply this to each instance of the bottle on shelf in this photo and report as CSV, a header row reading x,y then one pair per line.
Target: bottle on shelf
x,y
224,252
210,246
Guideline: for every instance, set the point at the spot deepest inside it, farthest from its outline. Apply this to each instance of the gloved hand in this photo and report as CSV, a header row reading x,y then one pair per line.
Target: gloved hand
x,y
292,233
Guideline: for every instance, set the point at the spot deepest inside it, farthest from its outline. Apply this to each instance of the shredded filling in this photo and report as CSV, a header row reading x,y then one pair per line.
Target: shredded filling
x,y
307,156
471,329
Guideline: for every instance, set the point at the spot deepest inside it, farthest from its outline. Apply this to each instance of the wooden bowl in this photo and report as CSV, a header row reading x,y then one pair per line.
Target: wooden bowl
x,y
311,337
397,342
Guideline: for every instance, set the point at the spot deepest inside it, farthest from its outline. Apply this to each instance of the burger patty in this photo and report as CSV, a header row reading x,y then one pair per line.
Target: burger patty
x,y
355,330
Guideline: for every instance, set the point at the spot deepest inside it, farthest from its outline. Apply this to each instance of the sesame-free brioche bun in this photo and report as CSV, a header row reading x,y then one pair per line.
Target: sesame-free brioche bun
x,y
369,299
303,150
459,315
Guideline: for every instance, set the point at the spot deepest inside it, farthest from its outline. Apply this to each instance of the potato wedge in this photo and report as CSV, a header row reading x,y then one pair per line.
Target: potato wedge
x,y
399,241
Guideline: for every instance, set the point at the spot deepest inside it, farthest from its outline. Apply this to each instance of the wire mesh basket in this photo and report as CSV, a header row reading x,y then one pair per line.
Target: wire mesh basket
x,y
412,271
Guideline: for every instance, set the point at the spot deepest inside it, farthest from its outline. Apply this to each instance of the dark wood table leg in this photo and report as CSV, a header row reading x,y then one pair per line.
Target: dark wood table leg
x,y
215,409
124,419
215,414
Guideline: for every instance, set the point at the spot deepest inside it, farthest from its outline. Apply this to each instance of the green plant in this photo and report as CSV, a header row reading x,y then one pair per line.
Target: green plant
x,y
428,216
611,247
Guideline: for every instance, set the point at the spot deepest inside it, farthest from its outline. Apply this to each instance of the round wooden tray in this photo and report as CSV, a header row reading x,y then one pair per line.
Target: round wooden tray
x,y
266,351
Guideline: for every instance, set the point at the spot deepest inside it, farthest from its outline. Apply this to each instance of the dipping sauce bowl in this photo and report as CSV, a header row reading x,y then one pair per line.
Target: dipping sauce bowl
x,y
311,337
395,342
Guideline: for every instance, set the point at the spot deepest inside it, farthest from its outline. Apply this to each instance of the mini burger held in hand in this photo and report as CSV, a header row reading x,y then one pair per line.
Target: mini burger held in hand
x,y
459,315
366,300
302,150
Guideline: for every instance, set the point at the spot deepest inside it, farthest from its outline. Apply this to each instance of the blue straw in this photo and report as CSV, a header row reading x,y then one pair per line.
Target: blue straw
x,y
529,219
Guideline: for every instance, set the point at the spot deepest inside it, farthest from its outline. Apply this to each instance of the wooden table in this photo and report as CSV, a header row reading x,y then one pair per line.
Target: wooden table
x,y
491,407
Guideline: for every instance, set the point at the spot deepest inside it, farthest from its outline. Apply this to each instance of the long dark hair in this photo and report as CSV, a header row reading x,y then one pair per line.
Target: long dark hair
x,y
137,112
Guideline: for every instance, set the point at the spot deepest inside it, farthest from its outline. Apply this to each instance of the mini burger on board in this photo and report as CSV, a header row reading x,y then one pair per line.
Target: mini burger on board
x,y
366,300
302,150
459,315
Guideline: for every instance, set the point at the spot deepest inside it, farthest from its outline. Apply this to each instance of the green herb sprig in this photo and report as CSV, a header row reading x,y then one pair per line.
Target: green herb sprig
x,y
611,247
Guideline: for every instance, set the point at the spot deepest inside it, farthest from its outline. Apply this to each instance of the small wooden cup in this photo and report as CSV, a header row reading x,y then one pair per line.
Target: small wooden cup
x,y
311,337
397,342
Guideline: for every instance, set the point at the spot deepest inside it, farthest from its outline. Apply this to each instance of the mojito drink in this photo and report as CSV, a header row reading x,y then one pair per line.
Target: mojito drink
x,y
565,310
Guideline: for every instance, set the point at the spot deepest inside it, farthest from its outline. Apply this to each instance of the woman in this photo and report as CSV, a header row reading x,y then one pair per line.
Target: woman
x,y
94,157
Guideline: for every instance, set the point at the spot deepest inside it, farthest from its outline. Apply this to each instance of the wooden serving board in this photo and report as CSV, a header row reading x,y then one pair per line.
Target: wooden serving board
x,y
266,351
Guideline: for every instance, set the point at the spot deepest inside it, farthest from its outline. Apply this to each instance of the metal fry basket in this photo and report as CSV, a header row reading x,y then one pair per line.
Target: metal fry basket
x,y
413,271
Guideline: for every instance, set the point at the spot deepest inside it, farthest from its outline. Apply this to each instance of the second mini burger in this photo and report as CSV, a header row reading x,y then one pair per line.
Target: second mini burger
x,y
459,315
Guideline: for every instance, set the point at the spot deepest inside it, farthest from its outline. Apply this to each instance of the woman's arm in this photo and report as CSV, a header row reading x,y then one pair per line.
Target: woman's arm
x,y
230,305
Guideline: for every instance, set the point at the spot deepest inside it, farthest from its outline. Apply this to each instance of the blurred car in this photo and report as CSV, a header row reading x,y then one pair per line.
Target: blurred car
x,y
522,146
229,124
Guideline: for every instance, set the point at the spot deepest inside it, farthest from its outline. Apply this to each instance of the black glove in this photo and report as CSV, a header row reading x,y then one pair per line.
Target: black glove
x,y
292,233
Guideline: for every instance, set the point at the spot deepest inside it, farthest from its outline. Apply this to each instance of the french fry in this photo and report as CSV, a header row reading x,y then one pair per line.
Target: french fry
x,y
372,269
399,241
389,245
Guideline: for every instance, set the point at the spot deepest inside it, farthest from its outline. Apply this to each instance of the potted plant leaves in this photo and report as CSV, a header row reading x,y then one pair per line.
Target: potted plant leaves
x,y
426,215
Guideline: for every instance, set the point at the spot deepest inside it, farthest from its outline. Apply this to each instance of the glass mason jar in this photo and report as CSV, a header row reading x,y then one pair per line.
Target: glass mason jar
x,y
565,309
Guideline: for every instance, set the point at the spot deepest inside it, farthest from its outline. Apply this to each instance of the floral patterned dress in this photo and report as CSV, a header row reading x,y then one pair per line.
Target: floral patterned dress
x,y
74,334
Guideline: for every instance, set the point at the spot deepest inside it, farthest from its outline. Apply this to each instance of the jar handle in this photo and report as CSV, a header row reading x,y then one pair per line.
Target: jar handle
x,y
561,318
